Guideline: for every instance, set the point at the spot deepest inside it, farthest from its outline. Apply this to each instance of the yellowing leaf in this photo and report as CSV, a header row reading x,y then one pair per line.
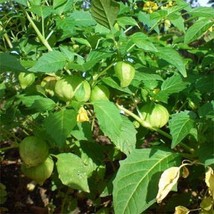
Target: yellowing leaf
x,y
207,203
167,180
185,172
209,179
181,210
82,115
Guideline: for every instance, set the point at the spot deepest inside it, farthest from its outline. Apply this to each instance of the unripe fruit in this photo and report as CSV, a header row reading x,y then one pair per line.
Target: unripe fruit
x,y
83,91
41,172
125,73
154,115
33,151
48,83
26,79
64,89
99,92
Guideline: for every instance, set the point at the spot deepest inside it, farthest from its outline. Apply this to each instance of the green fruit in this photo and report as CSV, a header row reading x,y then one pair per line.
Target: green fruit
x,y
33,151
64,89
41,172
48,83
26,79
99,92
82,91
154,115
125,73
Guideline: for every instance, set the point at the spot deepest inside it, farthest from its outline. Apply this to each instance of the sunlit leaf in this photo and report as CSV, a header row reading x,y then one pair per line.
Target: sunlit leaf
x,y
209,180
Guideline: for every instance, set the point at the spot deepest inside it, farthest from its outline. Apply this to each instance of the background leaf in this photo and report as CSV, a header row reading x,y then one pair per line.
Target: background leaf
x,y
197,30
169,55
10,62
180,126
50,62
60,124
109,118
72,171
136,183
105,12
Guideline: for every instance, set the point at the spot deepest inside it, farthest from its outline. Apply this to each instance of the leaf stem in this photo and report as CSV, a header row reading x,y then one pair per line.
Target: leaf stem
x,y
41,37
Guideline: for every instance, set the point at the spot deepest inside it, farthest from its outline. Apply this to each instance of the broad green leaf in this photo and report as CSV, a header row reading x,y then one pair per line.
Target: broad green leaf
x,y
23,2
50,62
126,21
197,30
173,84
207,110
178,22
109,118
143,42
37,103
172,57
126,141
62,6
105,12
10,62
60,124
180,126
136,183
72,172
82,18
41,10
202,12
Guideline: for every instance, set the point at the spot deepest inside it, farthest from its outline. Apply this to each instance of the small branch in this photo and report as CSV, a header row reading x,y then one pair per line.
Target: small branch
x,y
41,37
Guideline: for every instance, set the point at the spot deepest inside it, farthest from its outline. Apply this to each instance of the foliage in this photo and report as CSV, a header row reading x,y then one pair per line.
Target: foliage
x,y
58,82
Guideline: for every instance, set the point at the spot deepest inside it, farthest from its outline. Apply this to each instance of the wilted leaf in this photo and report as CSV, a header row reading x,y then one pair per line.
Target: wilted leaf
x,y
207,204
185,172
181,210
209,179
168,180
72,171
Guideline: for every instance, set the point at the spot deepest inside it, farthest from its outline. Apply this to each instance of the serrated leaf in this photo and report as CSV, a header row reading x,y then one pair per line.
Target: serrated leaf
x,y
180,126
197,30
136,183
143,42
72,171
10,62
105,12
109,118
126,141
60,124
169,55
82,18
50,62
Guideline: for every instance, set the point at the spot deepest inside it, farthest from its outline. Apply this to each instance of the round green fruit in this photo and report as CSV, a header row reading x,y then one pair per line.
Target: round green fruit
x,y
82,91
64,89
41,172
33,151
125,73
99,92
48,83
154,115
26,79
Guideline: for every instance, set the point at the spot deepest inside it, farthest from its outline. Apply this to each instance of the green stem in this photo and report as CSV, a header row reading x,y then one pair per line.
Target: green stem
x,y
9,147
41,37
8,40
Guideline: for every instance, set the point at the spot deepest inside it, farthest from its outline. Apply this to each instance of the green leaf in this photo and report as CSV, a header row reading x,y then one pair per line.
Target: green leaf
x,y
105,12
60,124
202,12
197,30
37,103
143,42
109,118
82,18
50,62
10,62
72,171
136,183
126,21
126,141
207,110
172,57
41,10
180,126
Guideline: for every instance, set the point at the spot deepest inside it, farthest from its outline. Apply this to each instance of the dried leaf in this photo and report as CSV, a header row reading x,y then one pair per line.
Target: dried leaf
x,y
185,172
209,179
181,210
167,180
